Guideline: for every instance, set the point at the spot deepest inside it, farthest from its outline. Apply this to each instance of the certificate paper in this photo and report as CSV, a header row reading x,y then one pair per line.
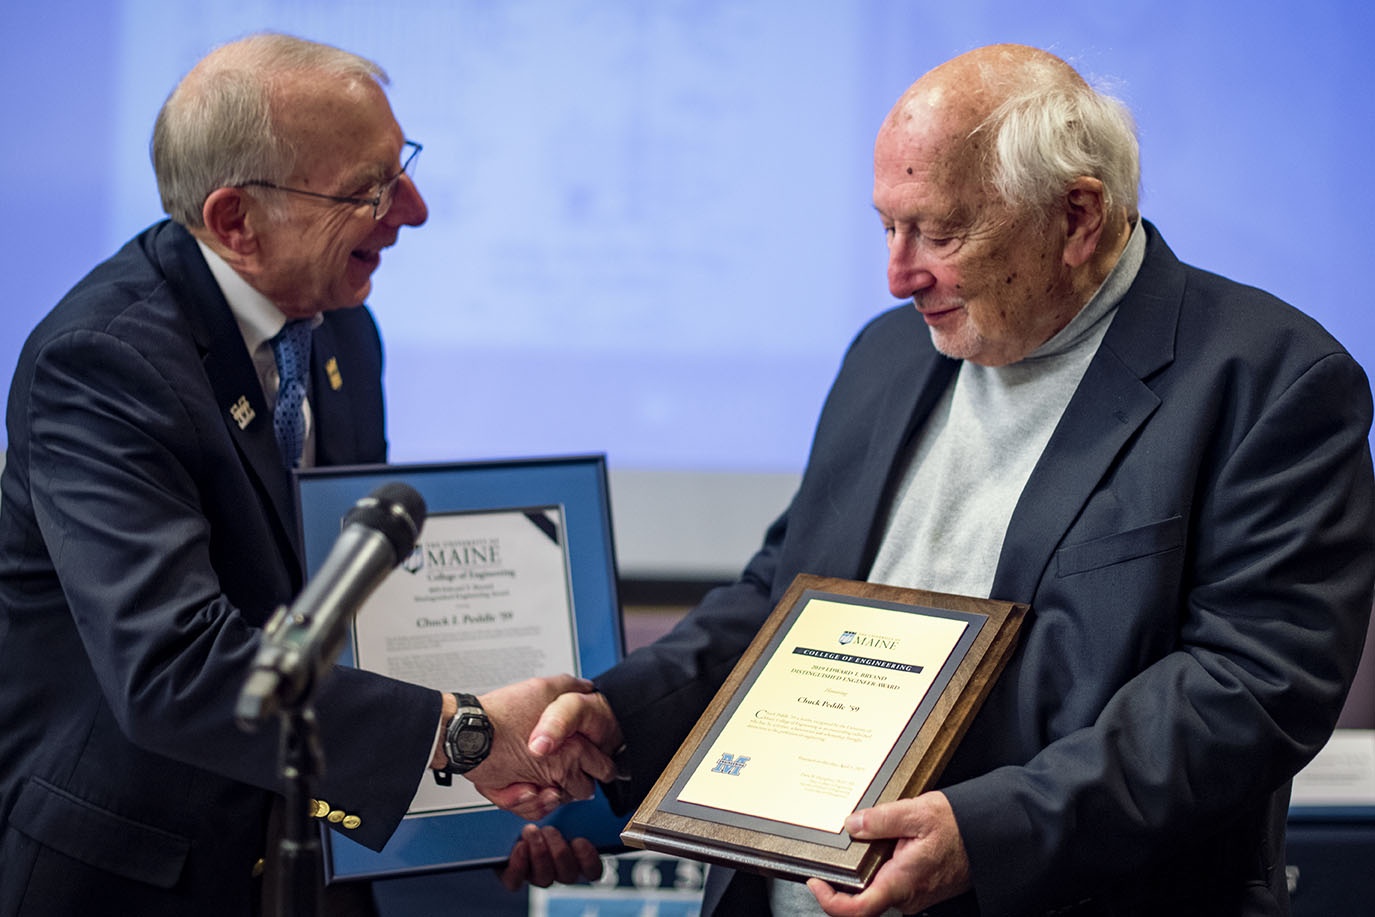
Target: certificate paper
x,y
483,601
851,694
824,714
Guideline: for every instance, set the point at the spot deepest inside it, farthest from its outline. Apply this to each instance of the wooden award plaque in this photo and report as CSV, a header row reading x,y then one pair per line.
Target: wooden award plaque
x,y
850,695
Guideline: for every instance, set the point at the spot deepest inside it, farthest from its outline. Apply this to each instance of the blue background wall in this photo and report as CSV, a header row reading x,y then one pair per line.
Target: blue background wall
x,y
651,232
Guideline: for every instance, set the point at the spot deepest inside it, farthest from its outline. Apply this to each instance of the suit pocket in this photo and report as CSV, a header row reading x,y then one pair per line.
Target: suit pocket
x,y
98,837
1155,538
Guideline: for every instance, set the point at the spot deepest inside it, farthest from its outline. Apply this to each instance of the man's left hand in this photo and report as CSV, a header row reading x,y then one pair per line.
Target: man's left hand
x,y
929,863
541,857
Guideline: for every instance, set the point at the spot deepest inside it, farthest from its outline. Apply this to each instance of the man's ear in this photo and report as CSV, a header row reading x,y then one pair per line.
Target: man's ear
x,y
1086,219
227,219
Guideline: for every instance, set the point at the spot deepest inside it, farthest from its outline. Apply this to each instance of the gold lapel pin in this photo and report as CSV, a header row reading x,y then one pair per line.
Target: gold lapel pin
x,y
243,412
336,381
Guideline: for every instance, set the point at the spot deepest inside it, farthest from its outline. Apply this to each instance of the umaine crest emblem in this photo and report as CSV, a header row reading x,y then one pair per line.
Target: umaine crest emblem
x,y
416,561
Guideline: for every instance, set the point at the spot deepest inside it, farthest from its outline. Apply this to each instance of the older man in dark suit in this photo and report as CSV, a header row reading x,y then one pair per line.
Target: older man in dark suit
x,y
1170,468
148,528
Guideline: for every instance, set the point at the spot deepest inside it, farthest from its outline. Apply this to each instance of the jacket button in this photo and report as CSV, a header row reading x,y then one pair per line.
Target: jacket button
x,y
335,816
319,808
351,822
258,868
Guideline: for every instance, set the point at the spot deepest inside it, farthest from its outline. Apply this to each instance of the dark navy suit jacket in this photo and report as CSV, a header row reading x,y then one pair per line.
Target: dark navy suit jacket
x,y
146,534
1197,545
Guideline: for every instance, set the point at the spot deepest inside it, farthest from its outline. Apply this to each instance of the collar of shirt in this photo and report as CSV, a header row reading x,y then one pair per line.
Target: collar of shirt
x,y
258,318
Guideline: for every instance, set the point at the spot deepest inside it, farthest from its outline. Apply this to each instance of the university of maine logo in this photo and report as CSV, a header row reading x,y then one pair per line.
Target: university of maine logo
x,y
416,562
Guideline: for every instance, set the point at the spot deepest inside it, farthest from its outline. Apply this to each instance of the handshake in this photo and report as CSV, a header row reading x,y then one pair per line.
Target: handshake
x,y
551,739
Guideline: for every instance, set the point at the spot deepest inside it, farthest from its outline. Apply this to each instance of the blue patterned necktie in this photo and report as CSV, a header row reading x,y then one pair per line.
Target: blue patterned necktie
x,y
291,348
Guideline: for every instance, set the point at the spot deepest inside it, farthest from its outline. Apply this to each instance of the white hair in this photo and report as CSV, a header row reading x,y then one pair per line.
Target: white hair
x,y
220,127
1051,130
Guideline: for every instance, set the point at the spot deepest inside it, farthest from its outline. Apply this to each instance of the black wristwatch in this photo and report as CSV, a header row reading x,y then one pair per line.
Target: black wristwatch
x,y
468,738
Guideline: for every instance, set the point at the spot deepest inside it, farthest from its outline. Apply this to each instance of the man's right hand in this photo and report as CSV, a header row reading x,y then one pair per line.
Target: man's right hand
x,y
532,785
572,715
578,723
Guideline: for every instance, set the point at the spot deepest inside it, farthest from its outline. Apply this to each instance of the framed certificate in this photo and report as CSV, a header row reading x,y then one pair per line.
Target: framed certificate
x,y
513,575
851,694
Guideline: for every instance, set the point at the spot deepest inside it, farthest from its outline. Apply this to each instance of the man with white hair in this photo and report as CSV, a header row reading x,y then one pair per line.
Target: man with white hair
x,y
148,528
1171,469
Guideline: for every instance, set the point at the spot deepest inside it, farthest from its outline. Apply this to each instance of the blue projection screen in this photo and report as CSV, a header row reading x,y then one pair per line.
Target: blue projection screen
x,y
651,232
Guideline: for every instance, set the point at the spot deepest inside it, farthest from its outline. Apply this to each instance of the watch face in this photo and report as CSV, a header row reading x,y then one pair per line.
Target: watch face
x,y
470,741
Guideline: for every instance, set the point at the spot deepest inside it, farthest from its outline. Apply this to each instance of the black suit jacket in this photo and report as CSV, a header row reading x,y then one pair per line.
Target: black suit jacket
x,y
1197,544
147,532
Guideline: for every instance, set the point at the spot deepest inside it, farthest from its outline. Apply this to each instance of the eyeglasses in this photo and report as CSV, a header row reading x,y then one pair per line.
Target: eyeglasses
x,y
380,202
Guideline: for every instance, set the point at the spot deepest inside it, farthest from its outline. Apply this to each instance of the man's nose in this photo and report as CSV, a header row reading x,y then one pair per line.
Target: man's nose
x,y
908,273
407,207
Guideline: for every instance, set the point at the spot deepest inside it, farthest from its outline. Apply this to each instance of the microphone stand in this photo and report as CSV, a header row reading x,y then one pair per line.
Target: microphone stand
x,y
295,652
300,760
300,863
284,684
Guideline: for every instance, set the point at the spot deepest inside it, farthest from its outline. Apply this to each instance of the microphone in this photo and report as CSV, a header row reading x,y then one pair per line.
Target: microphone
x,y
302,641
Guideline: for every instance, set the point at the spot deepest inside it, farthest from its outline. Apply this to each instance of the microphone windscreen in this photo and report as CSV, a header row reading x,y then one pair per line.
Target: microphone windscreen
x,y
395,510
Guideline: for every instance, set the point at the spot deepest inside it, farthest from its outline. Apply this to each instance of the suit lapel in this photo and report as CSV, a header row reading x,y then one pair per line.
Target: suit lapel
x,y
1110,404
908,400
1108,407
233,380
